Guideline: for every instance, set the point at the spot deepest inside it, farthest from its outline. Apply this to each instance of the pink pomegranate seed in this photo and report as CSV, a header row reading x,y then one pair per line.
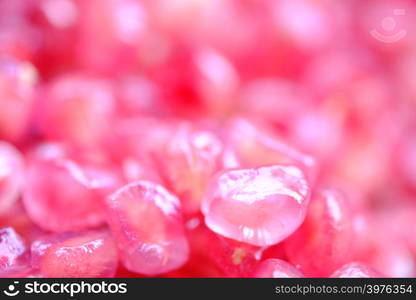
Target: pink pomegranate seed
x,y
319,134
191,158
11,175
356,270
78,254
109,34
147,225
16,38
217,82
137,95
17,84
12,249
277,268
259,206
62,194
324,241
77,109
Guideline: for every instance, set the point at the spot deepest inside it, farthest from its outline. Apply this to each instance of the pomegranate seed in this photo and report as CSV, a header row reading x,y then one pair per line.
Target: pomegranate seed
x,y
62,194
76,254
260,206
114,48
218,81
17,88
356,270
11,175
154,249
319,134
323,242
191,159
77,109
138,95
12,250
277,268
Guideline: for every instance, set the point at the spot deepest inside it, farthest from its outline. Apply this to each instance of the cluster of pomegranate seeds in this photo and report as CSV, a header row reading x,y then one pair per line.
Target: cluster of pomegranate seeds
x,y
215,138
